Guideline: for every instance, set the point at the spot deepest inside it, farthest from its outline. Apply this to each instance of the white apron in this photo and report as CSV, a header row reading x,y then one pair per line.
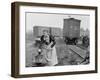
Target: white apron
x,y
50,56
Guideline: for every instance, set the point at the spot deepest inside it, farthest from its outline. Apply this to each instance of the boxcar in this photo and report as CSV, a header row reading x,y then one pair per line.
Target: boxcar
x,y
71,30
38,31
57,32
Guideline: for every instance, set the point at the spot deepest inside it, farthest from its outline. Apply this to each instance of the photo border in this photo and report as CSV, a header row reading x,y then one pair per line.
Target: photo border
x,y
15,32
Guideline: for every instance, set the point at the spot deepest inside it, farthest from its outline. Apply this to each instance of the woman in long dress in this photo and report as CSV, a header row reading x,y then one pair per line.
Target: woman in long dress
x,y
49,50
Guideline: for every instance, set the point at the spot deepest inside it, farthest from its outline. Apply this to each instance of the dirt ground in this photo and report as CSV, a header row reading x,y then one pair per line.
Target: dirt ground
x,y
64,54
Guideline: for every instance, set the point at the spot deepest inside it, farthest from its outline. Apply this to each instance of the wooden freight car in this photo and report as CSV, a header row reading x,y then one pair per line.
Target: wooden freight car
x,y
38,31
56,32
71,30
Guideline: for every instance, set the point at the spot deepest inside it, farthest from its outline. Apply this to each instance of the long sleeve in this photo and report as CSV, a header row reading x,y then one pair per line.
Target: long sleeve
x,y
42,40
52,40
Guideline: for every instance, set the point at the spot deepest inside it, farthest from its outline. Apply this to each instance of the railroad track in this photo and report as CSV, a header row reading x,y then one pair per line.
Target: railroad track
x,y
77,50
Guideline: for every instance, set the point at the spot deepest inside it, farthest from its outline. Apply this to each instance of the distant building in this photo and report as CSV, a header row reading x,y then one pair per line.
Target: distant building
x,y
87,32
84,32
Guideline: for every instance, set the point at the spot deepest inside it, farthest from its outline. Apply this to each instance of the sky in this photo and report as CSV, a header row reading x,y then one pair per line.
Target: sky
x,y
53,20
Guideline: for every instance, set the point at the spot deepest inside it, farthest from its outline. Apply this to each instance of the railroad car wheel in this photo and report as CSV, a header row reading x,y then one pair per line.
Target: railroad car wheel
x,y
66,41
75,41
